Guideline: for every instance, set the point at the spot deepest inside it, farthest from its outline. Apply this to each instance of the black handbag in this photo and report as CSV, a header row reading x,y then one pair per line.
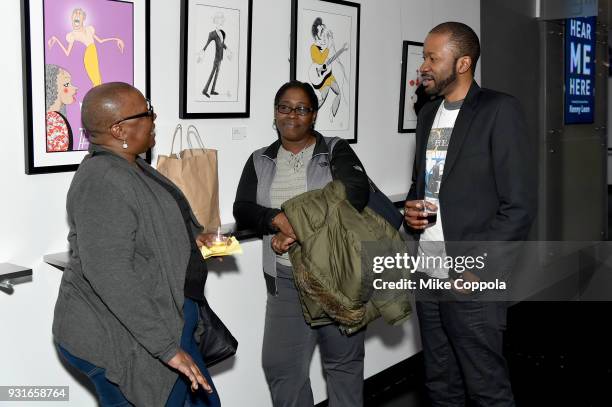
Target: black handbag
x,y
382,205
216,342
378,202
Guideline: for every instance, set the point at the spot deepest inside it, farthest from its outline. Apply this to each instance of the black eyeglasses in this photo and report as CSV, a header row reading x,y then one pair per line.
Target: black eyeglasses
x,y
299,110
149,113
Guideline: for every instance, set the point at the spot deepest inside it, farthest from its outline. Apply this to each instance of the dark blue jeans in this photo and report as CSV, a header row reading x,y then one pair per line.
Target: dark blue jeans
x,y
181,394
110,395
108,392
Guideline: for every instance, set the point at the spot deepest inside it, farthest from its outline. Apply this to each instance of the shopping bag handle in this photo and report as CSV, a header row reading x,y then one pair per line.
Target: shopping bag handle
x,y
178,129
192,130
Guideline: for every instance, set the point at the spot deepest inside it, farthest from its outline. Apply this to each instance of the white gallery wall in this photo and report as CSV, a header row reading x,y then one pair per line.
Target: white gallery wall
x,y
32,208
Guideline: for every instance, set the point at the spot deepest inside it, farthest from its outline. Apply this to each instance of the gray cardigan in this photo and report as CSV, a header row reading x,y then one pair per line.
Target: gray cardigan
x,y
121,298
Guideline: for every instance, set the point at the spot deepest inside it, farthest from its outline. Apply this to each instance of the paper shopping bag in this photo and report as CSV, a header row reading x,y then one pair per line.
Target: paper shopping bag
x,y
195,173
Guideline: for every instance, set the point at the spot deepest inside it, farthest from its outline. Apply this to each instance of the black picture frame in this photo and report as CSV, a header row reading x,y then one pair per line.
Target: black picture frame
x,y
412,56
226,17
342,19
34,48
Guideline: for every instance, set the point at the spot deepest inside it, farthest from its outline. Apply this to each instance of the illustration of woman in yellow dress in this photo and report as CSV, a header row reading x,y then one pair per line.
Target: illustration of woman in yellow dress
x,y
87,36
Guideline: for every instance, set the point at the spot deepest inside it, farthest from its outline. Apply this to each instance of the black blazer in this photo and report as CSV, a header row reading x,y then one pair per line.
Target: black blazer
x,y
488,188
219,44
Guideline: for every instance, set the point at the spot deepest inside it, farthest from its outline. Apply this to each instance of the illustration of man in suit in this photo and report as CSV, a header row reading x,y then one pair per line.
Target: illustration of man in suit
x,y
484,193
218,36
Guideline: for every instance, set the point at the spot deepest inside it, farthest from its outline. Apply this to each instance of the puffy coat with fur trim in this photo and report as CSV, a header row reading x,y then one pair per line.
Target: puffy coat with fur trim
x,y
327,265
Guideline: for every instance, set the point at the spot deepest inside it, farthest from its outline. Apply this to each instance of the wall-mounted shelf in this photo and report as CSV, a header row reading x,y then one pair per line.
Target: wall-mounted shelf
x,y
57,260
11,274
60,260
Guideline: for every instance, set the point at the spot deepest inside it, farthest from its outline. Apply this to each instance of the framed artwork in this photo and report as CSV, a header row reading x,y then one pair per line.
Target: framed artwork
x,y
412,94
325,54
215,71
70,46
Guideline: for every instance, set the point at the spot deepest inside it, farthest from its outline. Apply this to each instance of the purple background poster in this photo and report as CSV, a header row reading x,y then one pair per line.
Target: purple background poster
x,y
110,19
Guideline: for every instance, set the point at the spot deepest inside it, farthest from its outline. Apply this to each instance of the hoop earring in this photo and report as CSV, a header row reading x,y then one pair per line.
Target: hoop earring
x,y
274,124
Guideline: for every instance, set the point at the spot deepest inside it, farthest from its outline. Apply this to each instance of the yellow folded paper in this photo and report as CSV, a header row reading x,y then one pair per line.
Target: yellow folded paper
x,y
222,248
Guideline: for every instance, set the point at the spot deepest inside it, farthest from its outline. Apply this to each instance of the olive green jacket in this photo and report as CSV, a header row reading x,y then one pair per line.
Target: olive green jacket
x,y
327,262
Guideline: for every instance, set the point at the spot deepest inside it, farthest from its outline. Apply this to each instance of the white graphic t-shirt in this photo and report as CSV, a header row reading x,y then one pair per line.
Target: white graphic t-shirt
x,y
437,147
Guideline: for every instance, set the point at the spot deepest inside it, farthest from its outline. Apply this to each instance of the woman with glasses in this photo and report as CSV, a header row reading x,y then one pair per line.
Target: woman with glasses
x,y
299,161
127,307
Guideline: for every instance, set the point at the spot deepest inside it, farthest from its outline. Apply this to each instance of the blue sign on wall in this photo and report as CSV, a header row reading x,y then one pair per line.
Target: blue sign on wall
x,y
579,70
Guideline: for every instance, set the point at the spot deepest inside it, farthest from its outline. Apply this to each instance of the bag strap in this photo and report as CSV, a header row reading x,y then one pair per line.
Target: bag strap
x,y
178,129
193,131
377,200
331,143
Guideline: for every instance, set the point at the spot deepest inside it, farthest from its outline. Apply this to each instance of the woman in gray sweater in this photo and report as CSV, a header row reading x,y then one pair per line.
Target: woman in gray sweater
x,y
127,306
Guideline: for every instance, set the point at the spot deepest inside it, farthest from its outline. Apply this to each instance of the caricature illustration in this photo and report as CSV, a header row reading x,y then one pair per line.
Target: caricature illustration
x,y
87,36
418,97
320,74
59,92
218,36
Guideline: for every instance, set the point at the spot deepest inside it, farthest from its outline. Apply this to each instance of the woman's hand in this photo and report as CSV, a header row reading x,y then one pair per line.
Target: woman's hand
x,y
281,223
281,243
207,239
185,365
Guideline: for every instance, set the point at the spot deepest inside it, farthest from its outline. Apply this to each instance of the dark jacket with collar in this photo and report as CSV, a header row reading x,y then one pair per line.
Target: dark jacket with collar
x,y
488,188
252,206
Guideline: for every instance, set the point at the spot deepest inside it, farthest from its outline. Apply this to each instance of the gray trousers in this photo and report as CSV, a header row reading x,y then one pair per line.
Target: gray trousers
x,y
288,346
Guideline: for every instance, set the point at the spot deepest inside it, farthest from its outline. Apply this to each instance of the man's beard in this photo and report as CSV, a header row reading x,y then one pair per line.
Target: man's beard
x,y
440,86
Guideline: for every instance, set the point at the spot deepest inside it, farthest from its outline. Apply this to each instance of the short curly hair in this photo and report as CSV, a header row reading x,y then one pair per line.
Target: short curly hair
x,y
81,11
315,27
51,93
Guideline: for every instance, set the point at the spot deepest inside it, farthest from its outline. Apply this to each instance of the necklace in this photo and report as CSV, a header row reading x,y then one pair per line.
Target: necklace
x,y
296,161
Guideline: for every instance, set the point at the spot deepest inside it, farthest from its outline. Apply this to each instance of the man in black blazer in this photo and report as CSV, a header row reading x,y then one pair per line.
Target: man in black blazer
x,y
478,140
